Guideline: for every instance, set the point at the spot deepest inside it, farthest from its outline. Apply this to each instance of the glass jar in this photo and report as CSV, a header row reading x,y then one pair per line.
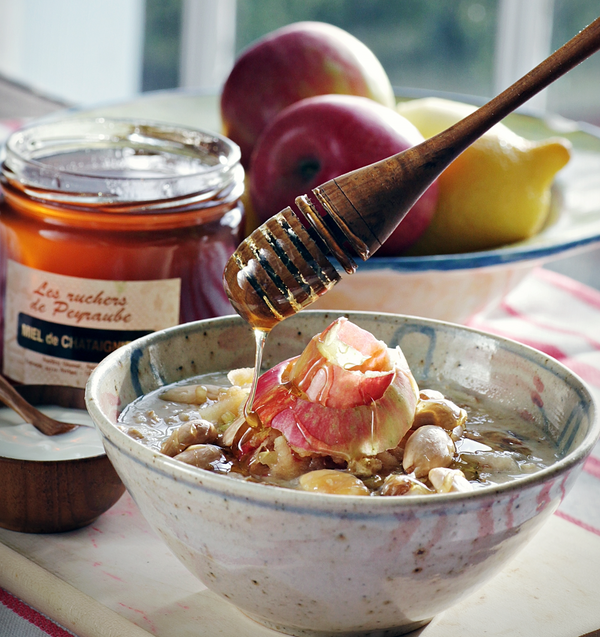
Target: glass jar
x,y
110,229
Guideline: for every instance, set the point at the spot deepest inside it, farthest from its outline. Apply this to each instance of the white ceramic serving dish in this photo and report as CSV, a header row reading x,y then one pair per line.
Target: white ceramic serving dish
x,y
323,565
445,287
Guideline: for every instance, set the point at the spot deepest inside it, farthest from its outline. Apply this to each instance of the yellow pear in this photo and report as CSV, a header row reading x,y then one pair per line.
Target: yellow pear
x,y
497,192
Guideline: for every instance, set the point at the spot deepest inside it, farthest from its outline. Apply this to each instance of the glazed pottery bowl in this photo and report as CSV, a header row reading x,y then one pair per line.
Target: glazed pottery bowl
x,y
319,564
53,483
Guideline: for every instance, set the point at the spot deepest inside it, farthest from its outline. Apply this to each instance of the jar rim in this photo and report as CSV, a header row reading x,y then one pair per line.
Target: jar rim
x,y
118,159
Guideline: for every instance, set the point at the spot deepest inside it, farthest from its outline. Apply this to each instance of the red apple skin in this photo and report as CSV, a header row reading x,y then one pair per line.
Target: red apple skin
x,y
323,137
297,61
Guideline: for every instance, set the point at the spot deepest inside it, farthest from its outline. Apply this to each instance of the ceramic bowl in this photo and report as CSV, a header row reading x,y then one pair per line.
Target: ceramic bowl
x,y
53,483
318,564
451,287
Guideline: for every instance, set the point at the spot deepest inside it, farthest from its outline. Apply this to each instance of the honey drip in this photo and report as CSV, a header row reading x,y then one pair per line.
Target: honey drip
x,y
260,338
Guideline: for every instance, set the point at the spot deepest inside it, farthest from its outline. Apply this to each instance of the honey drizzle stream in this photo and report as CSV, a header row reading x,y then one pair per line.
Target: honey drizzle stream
x,y
260,338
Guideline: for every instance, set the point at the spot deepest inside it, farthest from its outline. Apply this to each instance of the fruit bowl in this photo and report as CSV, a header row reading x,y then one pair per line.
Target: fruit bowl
x,y
450,287
310,563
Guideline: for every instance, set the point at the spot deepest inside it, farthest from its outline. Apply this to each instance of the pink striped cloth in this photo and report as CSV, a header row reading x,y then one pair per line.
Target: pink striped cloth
x,y
7,126
560,317
17,619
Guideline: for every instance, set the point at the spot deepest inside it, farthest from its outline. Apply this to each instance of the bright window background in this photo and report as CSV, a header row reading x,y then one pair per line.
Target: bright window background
x,y
428,45
577,94
80,51
444,46
111,50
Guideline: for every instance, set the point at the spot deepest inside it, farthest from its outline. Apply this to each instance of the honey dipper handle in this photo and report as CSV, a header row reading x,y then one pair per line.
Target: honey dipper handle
x,y
370,202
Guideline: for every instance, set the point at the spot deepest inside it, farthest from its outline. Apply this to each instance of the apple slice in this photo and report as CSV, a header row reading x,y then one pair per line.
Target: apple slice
x,y
347,395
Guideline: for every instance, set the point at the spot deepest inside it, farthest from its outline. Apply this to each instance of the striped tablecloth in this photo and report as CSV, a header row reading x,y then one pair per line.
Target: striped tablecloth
x,y
560,317
7,126
17,619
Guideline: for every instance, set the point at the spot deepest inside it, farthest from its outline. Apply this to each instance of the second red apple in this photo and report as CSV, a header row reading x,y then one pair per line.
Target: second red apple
x,y
323,137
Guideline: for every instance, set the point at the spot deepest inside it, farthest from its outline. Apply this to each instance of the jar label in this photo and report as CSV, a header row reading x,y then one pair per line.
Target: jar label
x,y
58,327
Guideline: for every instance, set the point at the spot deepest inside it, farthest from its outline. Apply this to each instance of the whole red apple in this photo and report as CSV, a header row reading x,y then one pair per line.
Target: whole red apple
x,y
297,61
323,137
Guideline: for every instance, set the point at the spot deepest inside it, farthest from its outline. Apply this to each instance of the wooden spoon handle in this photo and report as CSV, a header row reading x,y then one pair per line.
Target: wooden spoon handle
x,y
11,398
369,203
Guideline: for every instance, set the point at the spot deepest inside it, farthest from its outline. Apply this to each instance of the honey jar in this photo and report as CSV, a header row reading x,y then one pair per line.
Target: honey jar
x,y
110,229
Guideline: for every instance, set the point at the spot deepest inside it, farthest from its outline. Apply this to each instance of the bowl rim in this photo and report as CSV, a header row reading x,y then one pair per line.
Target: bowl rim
x,y
330,504
9,460
49,463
